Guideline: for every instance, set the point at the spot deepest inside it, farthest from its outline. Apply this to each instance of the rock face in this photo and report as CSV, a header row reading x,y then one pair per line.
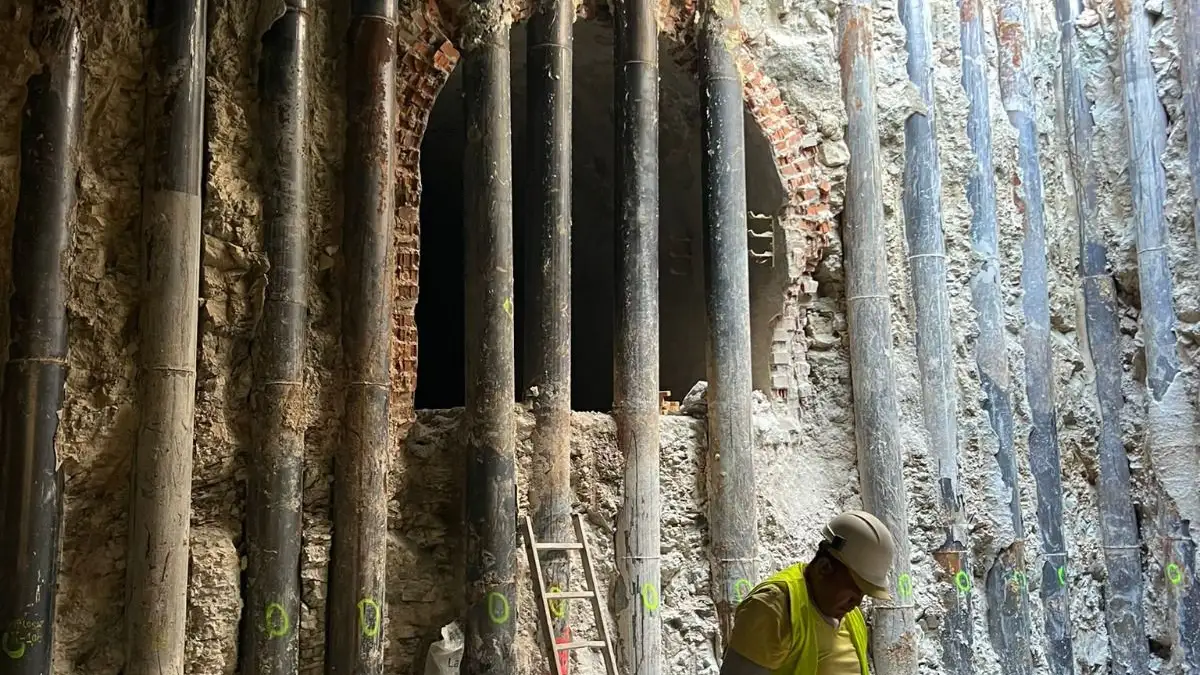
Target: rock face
x,y
805,450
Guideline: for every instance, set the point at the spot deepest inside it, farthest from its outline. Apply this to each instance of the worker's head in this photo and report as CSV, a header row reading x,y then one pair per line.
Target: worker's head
x,y
852,561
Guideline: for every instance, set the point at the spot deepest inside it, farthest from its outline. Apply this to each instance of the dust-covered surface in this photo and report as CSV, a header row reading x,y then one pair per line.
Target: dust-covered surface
x,y
425,553
99,420
801,39
805,461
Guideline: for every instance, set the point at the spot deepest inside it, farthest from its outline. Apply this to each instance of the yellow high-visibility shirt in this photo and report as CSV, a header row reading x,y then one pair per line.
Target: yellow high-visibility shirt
x,y
835,649
778,628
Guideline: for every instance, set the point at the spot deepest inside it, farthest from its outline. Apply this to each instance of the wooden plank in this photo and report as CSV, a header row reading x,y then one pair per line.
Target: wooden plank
x,y
552,546
569,595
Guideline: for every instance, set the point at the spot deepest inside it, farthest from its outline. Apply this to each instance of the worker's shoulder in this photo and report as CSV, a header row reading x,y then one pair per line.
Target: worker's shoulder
x,y
774,594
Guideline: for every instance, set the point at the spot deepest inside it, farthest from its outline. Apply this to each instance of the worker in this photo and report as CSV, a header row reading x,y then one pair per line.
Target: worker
x,y
805,620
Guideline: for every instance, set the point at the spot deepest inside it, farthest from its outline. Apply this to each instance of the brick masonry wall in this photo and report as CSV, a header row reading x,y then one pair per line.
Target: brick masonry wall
x,y
428,57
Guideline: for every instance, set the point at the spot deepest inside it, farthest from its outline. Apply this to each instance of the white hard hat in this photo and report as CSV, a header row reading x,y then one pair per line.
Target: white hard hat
x,y
862,543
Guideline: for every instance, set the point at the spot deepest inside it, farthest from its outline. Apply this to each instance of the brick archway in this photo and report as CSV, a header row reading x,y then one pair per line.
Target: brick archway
x,y
427,57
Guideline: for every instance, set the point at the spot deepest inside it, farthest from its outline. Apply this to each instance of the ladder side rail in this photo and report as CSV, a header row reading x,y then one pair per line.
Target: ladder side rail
x,y
539,587
610,660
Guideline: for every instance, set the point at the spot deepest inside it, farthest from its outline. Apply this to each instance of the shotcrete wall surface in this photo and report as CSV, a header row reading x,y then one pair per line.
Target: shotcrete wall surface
x,y
804,424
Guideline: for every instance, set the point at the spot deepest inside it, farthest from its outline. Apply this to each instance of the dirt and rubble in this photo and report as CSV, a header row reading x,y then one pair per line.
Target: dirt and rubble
x,y
804,451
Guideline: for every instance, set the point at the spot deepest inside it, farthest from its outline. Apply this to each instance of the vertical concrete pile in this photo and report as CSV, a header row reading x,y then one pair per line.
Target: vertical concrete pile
x,y
876,412
732,494
548,262
636,349
1100,344
159,526
1170,417
935,347
354,628
1016,90
31,487
271,614
489,425
1188,20
1007,594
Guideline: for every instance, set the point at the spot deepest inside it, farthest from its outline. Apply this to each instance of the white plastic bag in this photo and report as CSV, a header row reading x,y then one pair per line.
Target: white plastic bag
x,y
445,655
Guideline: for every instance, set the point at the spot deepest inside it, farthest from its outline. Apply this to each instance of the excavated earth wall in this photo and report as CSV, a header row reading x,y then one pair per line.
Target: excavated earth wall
x,y
804,428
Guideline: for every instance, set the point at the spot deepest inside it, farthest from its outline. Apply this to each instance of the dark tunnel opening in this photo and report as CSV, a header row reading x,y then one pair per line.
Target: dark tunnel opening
x,y
439,312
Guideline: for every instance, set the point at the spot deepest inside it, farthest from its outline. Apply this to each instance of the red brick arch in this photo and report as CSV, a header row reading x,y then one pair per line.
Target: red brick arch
x,y
428,57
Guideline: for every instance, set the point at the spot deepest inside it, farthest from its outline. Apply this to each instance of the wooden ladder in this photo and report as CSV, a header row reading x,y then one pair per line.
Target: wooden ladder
x,y
544,597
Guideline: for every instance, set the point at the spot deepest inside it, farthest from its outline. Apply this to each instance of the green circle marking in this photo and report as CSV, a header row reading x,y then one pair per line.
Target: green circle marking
x,y
498,607
1062,575
904,586
962,581
741,588
276,620
13,653
1174,574
557,607
369,628
650,599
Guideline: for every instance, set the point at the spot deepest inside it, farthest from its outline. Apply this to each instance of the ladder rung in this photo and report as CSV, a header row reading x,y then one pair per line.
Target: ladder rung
x,y
569,595
550,546
583,644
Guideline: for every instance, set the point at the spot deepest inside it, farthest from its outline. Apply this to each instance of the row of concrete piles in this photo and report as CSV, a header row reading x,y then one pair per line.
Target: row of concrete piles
x,y
30,481
1170,442
157,567
489,425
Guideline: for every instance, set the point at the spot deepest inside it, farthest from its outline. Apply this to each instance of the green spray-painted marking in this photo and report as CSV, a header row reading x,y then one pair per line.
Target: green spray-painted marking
x,y
498,607
557,607
904,586
1018,580
508,307
21,634
371,628
650,598
276,620
1174,574
6,643
962,581
1062,575
741,588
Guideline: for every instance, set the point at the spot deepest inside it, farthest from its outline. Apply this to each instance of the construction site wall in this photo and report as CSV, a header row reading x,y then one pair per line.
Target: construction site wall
x,y
804,433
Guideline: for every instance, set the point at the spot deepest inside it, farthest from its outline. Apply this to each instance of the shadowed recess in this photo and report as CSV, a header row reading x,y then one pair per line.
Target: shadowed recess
x,y
439,314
